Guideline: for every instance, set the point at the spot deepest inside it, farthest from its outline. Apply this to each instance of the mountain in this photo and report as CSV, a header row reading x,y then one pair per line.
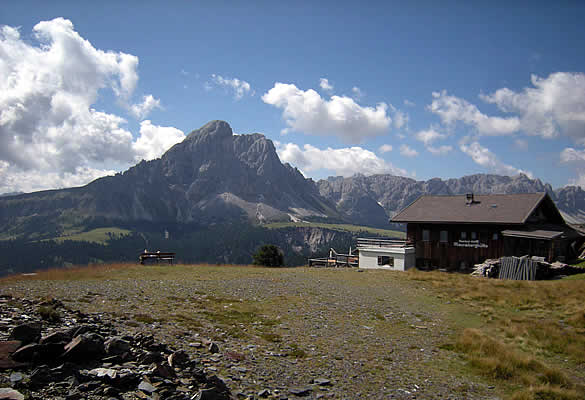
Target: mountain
x,y
388,194
211,176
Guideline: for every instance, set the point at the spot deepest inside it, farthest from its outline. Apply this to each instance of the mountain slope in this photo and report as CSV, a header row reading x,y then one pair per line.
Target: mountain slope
x,y
212,176
393,193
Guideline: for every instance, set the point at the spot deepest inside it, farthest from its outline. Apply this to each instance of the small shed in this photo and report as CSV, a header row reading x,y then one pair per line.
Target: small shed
x,y
396,255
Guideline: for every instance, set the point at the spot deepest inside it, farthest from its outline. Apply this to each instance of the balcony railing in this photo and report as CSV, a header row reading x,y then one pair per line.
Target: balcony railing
x,y
369,243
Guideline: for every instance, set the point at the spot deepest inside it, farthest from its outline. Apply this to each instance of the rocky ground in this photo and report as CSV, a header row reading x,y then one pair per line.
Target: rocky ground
x,y
239,333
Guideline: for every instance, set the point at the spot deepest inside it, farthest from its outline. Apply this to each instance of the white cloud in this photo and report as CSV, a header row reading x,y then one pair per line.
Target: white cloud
x,y
554,105
325,85
521,144
400,119
429,136
346,161
408,151
572,155
484,157
357,92
409,103
141,110
155,140
385,148
50,134
16,180
308,112
239,87
452,109
439,151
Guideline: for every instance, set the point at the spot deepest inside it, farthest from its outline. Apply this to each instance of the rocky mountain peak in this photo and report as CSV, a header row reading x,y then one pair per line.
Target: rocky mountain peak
x,y
216,129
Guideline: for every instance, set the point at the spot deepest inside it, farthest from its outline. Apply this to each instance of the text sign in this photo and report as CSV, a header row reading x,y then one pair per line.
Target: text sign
x,y
470,243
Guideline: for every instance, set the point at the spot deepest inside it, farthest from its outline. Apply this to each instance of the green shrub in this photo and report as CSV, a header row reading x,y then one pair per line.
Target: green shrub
x,y
269,255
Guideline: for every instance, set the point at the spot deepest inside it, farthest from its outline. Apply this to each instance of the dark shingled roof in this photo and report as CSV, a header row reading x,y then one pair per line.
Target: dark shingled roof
x,y
490,208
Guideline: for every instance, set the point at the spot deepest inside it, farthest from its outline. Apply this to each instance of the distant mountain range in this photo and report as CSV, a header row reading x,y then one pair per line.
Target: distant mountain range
x,y
214,176
364,198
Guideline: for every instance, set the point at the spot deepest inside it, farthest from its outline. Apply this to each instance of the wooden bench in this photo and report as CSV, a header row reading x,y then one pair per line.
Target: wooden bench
x,y
157,258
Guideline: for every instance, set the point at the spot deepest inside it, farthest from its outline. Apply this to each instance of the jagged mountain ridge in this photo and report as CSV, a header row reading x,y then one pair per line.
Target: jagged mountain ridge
x,y
211,176
392,193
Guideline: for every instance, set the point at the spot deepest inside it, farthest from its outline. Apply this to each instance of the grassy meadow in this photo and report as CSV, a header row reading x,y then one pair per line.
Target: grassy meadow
x,y
368,330
365,230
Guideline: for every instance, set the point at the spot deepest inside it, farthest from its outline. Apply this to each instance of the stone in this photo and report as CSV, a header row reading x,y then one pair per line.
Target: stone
x,y
56,337
208,394
103,372
16,377
10,394
29,332
213,348
35,352
150,357
6,349
84,347
300,391
163,370
40,376
322,382
178,359
146,387
264,393
116,346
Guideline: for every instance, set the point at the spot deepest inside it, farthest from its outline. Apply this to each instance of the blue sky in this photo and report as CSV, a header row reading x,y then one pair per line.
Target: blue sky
x,y
421,90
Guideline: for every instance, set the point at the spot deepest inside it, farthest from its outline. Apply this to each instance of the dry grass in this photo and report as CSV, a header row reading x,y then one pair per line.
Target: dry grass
x,y
527,338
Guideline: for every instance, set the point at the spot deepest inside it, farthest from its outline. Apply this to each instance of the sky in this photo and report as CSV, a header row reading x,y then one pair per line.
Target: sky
x,y
421,89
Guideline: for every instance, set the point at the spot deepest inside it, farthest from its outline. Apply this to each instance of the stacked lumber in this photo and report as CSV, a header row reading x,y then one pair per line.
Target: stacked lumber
x,y
518,268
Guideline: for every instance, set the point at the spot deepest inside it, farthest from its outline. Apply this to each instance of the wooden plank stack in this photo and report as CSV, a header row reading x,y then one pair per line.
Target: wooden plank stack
x,y
519,269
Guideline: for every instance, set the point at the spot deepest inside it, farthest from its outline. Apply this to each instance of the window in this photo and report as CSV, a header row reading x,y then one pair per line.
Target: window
x,y
386,260
495,236
473,235
444,237
463,235
426,235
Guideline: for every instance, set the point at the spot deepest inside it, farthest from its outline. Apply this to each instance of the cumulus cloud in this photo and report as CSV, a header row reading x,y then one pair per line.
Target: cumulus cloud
x,y
408,151
155,140
484,157
452,109
554,105
16,180
428,137
50,134
345,161
240,88
409,103
385,148
325,85
400,119
307,112
141,110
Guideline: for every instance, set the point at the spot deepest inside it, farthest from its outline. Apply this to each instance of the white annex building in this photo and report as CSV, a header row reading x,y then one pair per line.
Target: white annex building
x,y
396,255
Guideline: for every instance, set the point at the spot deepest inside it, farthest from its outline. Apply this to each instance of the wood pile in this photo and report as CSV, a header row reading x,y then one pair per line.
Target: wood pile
x,y
523,268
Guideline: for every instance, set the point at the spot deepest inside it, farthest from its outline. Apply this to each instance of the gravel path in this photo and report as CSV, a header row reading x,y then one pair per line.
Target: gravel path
x,y
289,333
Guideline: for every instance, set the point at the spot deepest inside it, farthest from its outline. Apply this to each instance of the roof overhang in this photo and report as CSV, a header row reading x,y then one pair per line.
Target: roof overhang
x,y
536,234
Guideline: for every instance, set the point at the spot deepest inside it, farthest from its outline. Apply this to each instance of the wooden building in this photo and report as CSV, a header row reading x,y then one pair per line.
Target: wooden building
x,y
459,231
